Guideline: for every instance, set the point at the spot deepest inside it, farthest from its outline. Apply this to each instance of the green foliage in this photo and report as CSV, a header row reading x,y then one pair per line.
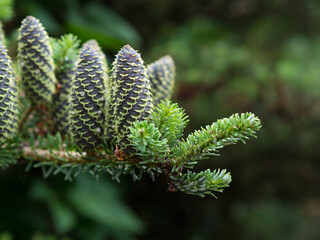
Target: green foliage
x,y
111,127
8,98
152,144
6,9
130,96
36,62
220,71
259,56
97,21
88,98
162,77
148,141
296,66
171,121
202,183
5,236
2,36
100,203
209,140
66,50
9,154
80,210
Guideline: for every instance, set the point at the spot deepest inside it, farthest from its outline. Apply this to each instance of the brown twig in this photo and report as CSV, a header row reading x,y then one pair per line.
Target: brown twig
x,y
46,120
25,117
42,155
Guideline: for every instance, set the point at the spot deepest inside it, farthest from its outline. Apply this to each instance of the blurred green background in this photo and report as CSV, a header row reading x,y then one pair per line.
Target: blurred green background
x,y
231,56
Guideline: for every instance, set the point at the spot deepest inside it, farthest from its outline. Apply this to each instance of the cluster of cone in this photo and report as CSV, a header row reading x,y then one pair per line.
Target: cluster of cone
x,y
91,104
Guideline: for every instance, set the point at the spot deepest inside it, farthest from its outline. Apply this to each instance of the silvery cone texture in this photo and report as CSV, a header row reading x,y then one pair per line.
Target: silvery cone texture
x,y
36,62
8,98
162,78
130,97
87,113
93,43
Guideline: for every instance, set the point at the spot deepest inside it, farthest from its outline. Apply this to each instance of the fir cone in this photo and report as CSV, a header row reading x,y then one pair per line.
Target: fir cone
x,y
35,56
93,43
87,115
162,78
8,98
130,98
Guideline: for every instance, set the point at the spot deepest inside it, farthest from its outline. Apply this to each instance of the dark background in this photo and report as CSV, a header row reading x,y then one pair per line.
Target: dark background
x,y
231,56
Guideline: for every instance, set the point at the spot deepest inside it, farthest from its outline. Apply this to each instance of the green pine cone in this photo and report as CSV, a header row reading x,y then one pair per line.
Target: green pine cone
x,y
93,43
8,98
131,98
162,78
36,62
88,93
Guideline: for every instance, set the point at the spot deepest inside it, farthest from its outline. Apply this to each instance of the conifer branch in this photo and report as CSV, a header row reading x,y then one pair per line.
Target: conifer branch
x,y
202,183
9,153
171,121
62,156
146,139
102,124
210,139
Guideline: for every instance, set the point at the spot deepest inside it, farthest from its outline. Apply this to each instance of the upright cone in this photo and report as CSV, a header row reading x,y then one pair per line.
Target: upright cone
x,y
130,97
162,78
93,43
8,98
88,93
36,62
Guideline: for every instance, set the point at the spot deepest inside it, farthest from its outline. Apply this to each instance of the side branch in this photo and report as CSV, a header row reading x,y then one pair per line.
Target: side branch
x,y
210,139
64,157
